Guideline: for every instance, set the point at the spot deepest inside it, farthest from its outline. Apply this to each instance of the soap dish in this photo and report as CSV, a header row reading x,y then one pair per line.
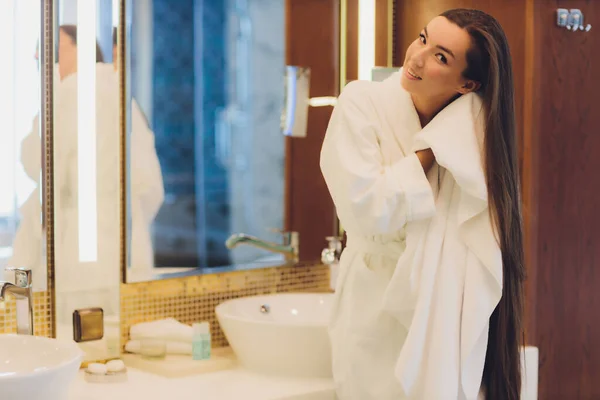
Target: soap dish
x,y
109,377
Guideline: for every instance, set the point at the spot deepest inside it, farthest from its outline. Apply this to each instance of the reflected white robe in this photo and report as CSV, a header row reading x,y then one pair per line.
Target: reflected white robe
x,y
146,195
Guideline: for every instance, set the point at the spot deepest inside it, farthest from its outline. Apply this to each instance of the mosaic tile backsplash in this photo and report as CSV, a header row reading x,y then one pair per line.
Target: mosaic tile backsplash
x,y
194,299
191,299
42,315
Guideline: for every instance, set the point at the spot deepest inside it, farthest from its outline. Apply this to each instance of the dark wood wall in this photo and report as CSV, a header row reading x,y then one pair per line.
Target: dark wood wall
x,y
565,148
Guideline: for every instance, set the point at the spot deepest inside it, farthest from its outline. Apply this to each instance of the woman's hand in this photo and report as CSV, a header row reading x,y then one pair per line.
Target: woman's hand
x,y
427,158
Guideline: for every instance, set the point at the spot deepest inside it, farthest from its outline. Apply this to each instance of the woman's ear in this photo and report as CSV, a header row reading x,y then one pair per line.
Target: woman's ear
x,y
469,86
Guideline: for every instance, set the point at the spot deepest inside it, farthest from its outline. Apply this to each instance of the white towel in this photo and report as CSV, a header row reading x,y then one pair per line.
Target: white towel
x,y
449,280
169,330
179,348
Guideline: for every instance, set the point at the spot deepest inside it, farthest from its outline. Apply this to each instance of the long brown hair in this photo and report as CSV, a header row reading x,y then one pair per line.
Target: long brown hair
x,y
489,63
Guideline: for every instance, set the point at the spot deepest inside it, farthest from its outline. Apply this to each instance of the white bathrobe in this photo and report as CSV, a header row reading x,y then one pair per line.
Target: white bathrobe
x,y
403,274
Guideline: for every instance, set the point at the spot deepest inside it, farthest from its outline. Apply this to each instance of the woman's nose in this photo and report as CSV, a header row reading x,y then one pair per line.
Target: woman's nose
x,y
419,58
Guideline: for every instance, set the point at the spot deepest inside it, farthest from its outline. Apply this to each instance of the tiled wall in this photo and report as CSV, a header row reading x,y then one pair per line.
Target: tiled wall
x,y
194,299
189,300
42,315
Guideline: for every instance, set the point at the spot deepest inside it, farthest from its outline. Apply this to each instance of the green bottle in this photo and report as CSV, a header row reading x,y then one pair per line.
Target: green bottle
x,y
201,341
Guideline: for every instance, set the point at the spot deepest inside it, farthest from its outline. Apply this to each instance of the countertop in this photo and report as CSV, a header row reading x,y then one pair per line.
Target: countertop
x,y
232,384
237,384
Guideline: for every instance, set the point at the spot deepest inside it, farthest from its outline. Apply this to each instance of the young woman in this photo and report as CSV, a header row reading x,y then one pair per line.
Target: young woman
x,y
378,186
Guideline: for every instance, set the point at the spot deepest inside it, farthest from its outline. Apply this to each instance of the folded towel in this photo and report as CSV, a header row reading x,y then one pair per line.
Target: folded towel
x,y
179,348
169,330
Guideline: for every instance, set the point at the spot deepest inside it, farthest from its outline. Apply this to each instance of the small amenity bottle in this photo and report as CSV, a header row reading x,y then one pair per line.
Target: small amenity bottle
x,y
201,341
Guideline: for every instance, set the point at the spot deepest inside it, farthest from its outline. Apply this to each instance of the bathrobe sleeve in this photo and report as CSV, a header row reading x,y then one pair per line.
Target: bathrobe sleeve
x,y
369,195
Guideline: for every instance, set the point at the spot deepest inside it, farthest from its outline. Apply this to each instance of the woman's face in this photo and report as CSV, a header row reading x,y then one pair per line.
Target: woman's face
x,y
435,61
67,55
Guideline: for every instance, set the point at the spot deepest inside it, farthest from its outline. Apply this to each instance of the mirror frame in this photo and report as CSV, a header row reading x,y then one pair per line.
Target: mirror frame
x,y
122,61
48,28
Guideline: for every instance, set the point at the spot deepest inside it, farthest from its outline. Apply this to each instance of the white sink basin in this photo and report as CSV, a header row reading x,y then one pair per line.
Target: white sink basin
x,y
37,368
289,338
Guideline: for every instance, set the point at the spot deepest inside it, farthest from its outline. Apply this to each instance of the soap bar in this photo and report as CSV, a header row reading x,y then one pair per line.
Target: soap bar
x,y
97,369
115,366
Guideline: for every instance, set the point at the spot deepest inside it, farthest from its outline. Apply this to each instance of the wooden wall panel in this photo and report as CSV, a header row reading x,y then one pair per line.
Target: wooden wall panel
x,y
382,11
567,279
351,40
312,41
528,159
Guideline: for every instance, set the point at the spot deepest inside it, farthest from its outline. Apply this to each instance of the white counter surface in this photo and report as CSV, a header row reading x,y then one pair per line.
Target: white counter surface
x,y
239,384
233,384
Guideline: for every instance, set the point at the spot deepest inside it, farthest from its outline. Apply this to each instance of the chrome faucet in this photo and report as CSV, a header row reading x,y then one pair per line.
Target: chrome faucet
x,y
23,292
331,255
290,247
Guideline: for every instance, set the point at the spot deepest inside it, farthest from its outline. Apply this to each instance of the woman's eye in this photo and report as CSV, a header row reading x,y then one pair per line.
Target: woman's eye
x,y
442,58
422,38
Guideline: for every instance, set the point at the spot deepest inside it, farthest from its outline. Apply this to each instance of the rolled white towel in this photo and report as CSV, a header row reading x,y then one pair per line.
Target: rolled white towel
x,y
169,330
177,348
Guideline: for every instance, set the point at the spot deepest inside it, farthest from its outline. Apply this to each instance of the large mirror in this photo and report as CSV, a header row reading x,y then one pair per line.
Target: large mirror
x,y
22,239
205,150
86,177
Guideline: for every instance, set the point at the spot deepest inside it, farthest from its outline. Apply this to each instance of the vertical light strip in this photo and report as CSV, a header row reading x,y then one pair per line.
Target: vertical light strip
x,y
86,130
115,13
366,38
8,81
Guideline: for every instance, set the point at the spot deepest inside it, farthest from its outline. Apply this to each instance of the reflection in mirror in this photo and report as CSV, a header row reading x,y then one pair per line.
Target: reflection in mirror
x,y
205,151
86,175
22,242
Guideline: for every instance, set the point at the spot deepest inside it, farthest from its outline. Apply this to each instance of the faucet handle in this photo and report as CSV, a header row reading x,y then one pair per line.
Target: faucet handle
x,y
335,242
332,253
278,230
23,276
